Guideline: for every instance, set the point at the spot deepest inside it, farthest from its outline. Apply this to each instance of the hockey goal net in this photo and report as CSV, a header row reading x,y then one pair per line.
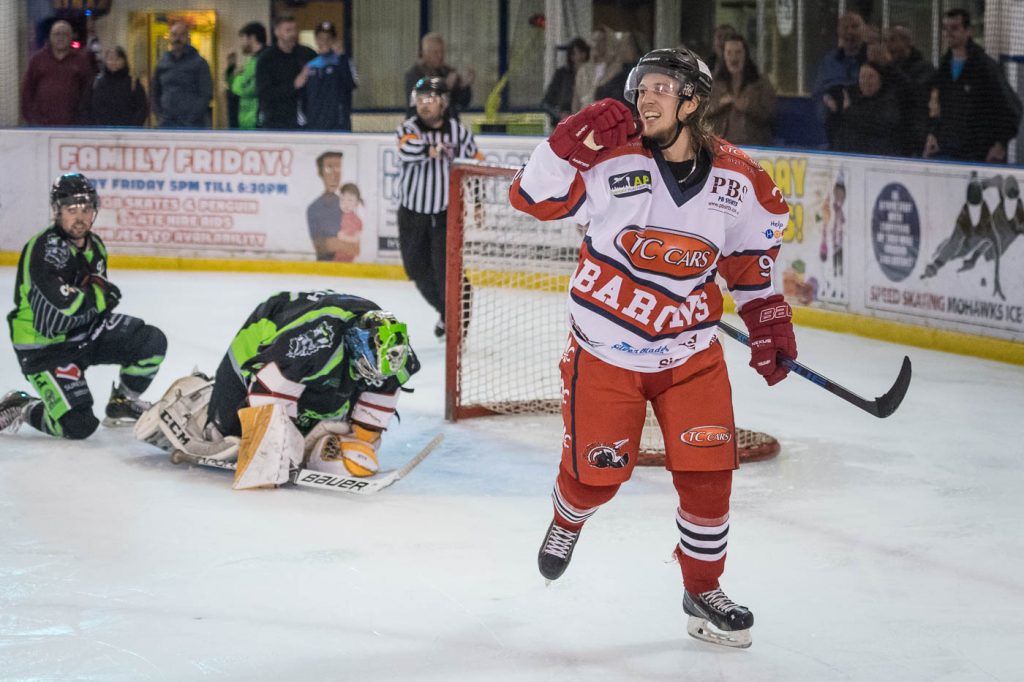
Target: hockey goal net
x,y
507,281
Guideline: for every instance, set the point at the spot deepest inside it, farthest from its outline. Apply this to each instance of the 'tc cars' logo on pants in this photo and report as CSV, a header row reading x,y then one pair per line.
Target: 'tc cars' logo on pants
x,y
706,436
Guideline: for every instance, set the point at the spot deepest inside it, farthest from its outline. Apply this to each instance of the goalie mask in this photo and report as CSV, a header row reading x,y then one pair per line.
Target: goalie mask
x,y
72,189
379,346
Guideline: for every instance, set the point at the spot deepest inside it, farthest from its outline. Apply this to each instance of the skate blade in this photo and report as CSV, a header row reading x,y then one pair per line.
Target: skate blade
x,y
699,628
118,422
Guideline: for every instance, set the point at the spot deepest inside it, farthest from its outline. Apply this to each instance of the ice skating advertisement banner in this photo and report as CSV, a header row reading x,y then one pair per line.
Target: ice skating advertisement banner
x,y
931,244
177,195
944,244
812,262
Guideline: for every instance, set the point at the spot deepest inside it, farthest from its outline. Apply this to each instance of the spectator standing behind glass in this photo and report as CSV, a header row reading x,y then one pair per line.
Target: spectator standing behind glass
x,y
230,97
117,99
976,113
868,115
432,62
252,41
839,70
742,100
557,102
918,72
722,32
56,85
894,81
623,58
182,86
595,71
327,82
277,76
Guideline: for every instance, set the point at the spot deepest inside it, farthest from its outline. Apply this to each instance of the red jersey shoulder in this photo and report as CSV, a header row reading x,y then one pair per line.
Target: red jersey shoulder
x,y
730,157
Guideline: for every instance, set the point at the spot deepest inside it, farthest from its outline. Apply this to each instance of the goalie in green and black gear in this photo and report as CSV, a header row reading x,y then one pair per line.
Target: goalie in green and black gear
x,y
316,353
327,358
63,322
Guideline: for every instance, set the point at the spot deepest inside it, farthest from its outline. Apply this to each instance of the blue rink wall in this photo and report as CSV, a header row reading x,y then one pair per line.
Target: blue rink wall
x,y
921,253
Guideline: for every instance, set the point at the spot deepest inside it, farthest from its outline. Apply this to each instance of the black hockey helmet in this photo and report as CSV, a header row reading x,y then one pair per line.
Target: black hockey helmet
x,y
431,84
680,64
72,189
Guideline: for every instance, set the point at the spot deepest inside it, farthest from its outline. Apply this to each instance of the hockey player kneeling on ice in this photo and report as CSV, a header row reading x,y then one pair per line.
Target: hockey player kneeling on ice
x,y
669,207
311,376
63,322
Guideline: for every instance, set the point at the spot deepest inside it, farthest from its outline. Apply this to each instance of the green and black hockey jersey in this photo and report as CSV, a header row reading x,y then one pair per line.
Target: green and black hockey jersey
x,y
54,312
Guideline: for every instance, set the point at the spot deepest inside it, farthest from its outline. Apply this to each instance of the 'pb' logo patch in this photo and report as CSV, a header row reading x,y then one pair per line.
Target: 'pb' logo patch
x,y
630,183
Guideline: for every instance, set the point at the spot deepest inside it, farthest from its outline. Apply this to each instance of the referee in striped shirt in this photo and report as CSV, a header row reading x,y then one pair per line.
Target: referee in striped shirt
x,y
427,144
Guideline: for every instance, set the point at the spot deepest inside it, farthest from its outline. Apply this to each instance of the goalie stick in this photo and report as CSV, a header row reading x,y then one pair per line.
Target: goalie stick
x,y
325,481
881,407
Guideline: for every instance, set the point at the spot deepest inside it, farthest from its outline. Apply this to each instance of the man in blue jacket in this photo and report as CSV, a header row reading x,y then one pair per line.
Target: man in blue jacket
x,y
329,81
182,86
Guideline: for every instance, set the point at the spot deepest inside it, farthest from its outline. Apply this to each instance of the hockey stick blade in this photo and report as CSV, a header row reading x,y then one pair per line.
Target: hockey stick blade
x,y
364,486
881,407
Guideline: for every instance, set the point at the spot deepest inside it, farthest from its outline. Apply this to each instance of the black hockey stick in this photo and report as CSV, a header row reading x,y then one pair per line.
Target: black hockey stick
x,y
881,407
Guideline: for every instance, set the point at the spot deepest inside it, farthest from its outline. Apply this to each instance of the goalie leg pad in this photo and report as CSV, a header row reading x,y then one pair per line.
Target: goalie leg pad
x,y
271,447
178,421
186,397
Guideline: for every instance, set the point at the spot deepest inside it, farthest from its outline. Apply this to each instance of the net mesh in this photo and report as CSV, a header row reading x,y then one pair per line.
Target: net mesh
x,y
512,326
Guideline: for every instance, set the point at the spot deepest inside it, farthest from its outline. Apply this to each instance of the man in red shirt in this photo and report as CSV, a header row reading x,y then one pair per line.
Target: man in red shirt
x,y
54,89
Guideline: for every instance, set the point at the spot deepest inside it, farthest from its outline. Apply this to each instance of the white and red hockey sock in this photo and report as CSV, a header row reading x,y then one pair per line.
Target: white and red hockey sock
x,y
576,502
703,522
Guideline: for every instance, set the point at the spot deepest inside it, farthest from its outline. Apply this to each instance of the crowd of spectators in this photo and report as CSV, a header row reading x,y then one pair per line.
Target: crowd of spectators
x,y
874,93
878,95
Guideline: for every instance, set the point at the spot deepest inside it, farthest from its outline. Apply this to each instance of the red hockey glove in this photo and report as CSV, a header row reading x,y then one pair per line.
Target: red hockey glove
x,y
770,323
611,123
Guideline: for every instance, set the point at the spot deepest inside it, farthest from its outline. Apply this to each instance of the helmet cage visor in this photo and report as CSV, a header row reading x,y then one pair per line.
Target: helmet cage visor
x,y
683,89
81,199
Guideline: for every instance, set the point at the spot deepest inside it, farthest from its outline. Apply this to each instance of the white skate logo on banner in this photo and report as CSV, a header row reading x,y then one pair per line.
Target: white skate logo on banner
x,y
316,339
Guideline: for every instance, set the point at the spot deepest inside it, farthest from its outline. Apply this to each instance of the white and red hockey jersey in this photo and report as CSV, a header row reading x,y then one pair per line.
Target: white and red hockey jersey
x,y
643,295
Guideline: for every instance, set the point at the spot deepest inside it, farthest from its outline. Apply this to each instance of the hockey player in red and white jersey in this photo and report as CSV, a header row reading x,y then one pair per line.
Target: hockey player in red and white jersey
x,y
668,207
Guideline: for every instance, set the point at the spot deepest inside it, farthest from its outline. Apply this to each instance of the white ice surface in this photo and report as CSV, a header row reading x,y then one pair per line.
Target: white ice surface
x,y
868,550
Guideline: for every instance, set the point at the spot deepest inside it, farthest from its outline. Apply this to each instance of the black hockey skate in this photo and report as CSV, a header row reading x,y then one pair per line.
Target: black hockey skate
x,y
717,619
556,551
14,409
123,409
439,330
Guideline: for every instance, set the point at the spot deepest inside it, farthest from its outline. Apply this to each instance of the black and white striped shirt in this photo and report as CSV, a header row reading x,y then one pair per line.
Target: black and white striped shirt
x,y
425,180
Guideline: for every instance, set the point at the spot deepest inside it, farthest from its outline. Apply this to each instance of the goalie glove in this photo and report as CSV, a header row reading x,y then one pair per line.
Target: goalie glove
x,y
770,323
580,137
356,452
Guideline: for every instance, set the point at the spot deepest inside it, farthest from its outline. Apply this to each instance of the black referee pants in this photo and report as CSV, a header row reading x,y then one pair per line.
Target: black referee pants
x,y
422,239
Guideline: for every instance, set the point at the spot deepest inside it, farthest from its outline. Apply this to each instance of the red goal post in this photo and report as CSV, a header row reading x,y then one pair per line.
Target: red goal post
x,y
505,308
